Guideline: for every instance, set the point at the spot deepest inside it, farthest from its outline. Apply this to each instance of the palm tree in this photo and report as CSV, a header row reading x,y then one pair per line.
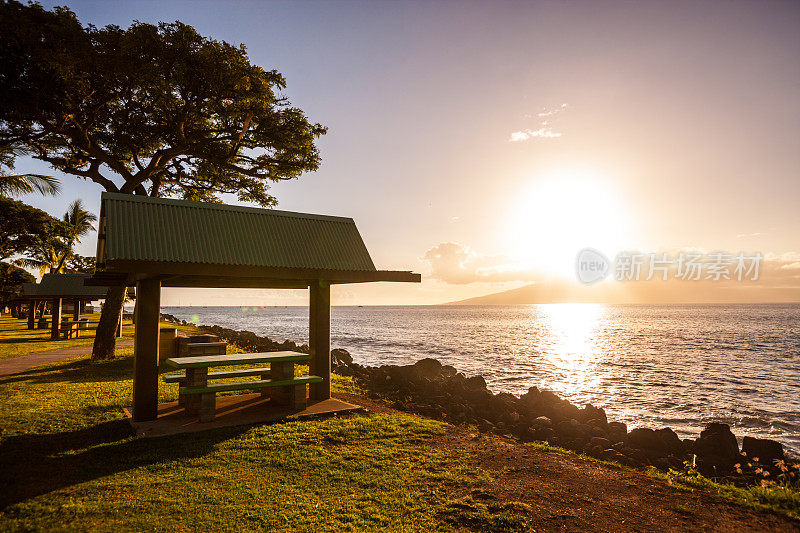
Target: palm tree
x,y
12,184
45,258
79,220
53,254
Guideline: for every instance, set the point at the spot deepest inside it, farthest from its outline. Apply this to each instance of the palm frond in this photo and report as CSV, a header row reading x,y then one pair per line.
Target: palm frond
x,y
80,220
33,264
19,184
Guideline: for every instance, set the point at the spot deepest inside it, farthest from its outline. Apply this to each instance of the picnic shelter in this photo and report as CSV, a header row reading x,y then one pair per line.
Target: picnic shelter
x,y
152,243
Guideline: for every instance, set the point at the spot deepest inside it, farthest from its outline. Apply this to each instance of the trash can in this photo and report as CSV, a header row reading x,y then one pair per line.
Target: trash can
x,y
166,343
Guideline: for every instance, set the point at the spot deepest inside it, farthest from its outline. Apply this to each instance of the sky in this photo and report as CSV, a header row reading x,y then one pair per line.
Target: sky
x,y
484,144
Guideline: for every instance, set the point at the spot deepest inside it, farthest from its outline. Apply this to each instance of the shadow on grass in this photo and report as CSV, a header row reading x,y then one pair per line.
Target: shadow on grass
x,y
80,371
24,340
32,465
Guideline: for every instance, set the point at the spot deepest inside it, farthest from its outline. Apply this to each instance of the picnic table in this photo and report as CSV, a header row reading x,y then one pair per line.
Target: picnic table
x,y
275,372
70,328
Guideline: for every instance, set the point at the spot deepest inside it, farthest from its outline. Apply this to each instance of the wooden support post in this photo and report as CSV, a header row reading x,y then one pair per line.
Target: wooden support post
x,y
55,314
145,351
31,313
119,324
76,310
319,321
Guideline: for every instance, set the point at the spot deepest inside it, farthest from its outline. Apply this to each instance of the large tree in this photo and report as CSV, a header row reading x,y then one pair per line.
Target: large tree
x,y
149,109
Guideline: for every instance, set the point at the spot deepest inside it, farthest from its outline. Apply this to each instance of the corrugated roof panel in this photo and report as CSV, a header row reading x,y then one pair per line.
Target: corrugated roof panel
x,y
65,285
157,229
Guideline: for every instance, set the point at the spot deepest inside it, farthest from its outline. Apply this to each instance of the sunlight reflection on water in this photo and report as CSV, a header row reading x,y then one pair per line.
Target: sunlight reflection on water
x,y
572,339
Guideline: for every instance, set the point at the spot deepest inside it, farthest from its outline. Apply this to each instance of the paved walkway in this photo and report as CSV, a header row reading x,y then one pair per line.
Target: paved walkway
x,y
16,365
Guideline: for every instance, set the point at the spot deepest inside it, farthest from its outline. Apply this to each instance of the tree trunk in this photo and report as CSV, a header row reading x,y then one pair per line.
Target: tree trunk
x,y
105,341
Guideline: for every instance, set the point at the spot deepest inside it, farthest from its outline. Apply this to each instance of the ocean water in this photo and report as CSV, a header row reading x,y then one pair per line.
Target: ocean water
x,y
649,366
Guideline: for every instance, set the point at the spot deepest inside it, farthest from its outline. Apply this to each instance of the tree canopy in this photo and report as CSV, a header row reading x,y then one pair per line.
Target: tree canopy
x,y
24,228
81,264
53,254
11,280
151,109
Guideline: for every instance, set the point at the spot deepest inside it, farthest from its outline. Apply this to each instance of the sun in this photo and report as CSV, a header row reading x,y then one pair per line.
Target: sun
x,y
562,213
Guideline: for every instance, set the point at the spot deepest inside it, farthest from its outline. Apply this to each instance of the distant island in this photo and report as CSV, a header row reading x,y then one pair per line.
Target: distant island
x,y
642,292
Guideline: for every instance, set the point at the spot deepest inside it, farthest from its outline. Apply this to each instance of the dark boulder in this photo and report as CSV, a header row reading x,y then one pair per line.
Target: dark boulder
x,y
560,410
596,430
340,357
540,431
542,421
604,444
476,383
532,396
717,447
428,367
449,371
529,402
657,443
644,439
592,413
485,426
617,431
671,443
343,370
765,450
571,429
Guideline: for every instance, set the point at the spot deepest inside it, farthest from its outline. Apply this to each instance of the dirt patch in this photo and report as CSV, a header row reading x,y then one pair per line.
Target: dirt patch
x,y
566,493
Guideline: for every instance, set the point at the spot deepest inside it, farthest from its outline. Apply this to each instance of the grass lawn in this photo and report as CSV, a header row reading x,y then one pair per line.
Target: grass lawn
x,y
68,460
17,340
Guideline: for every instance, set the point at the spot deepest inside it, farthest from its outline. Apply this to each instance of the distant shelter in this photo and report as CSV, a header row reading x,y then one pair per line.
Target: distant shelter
x,y
57,290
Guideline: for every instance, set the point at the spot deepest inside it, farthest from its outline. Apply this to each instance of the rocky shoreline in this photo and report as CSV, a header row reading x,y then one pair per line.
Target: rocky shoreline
x,y
439,391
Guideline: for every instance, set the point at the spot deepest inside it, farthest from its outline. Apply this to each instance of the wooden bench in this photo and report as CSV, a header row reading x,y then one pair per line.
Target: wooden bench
x,y
277,382
291,392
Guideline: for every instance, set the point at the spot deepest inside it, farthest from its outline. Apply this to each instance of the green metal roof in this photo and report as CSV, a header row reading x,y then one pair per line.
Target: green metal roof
x,y
30,289
141,228
64,285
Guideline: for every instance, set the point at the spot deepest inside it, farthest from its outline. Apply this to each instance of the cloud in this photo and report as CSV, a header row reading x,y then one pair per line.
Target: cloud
x,y
524,135
551,112
786,257
459,265
544,131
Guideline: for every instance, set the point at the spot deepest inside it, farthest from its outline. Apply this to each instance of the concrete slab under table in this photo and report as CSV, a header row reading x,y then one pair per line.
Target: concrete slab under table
x,y
239,410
